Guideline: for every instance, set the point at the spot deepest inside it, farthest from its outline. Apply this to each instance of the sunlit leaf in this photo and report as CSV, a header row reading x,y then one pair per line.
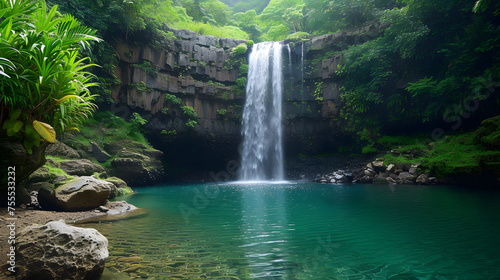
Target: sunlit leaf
x,y
45,130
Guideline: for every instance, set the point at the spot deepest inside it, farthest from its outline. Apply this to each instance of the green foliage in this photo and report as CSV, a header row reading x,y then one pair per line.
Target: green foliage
x,y
221,112
241,82
369,150
318,91
55,171
243,69
106,127
141,87
458,154
148,68
240,49
170,132
172,99
216,10
209,29
250,43
393,141
299,36
138,121
189,112
443,42
191,123
212,83
42,72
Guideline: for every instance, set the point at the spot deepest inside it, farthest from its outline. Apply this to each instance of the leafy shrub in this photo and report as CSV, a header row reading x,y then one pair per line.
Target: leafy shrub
x,y
243,70
240,49
148,68
191,123
172,99
42,73
299,37
369,150
221,112
189,112
241,82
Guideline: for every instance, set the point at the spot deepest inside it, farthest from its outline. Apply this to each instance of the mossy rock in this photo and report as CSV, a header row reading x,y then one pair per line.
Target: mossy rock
x,y
124,191
488,133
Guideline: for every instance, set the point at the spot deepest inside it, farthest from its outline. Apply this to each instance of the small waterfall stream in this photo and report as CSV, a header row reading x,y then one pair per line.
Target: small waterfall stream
x,y
262,155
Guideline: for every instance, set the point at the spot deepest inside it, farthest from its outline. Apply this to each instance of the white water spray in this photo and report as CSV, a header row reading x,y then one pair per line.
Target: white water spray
x,y
262,156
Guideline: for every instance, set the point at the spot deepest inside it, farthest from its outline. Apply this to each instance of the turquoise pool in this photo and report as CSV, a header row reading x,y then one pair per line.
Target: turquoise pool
x,y
307,231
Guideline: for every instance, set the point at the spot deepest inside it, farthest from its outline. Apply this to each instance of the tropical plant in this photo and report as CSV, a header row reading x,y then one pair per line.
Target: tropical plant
x,y
43,79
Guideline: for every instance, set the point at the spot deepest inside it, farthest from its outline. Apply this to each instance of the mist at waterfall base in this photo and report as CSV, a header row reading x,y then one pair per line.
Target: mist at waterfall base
x,y
262,155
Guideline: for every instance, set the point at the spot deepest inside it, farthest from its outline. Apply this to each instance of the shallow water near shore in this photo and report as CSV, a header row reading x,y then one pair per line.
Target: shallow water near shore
x,y
307,231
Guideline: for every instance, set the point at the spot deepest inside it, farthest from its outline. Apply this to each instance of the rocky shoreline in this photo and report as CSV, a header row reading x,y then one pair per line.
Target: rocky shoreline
x,y
73,187
29,216
377,172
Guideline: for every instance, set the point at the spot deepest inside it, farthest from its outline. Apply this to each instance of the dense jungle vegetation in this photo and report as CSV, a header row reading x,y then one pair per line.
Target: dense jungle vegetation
x,y
436,61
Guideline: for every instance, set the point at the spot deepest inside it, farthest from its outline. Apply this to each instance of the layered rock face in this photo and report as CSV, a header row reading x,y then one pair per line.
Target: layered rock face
x,y
204,73
58,251
194,68
312,101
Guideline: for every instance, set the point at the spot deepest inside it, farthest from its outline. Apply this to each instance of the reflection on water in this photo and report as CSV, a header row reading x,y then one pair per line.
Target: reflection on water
x,y
264,229
307,231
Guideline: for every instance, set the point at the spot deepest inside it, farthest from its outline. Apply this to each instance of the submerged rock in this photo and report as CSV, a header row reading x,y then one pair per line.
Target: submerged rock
x,y
59,251
79,194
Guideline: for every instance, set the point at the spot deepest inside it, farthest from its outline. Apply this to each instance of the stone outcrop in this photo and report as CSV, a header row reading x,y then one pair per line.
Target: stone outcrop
x,y
60,149
99,154
79,194
58,251
135,163
136,168
14,155
81,167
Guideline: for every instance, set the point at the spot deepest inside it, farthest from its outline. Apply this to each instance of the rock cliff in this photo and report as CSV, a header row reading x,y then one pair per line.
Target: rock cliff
x,y
208,74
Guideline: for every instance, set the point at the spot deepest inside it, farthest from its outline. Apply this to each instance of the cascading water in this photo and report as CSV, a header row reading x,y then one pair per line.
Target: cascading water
x,y
262,155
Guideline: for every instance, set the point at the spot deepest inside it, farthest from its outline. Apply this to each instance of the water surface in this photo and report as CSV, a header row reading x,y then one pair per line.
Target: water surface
x,y
308,231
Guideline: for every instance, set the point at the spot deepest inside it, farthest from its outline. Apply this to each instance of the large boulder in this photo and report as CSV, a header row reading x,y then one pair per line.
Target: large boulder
x,y
405,178
15,156
79,194
40,175
62,150
137,168
15,160
81,167
58,251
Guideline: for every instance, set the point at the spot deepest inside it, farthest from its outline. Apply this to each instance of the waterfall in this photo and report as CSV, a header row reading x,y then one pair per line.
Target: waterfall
x,y
262,155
